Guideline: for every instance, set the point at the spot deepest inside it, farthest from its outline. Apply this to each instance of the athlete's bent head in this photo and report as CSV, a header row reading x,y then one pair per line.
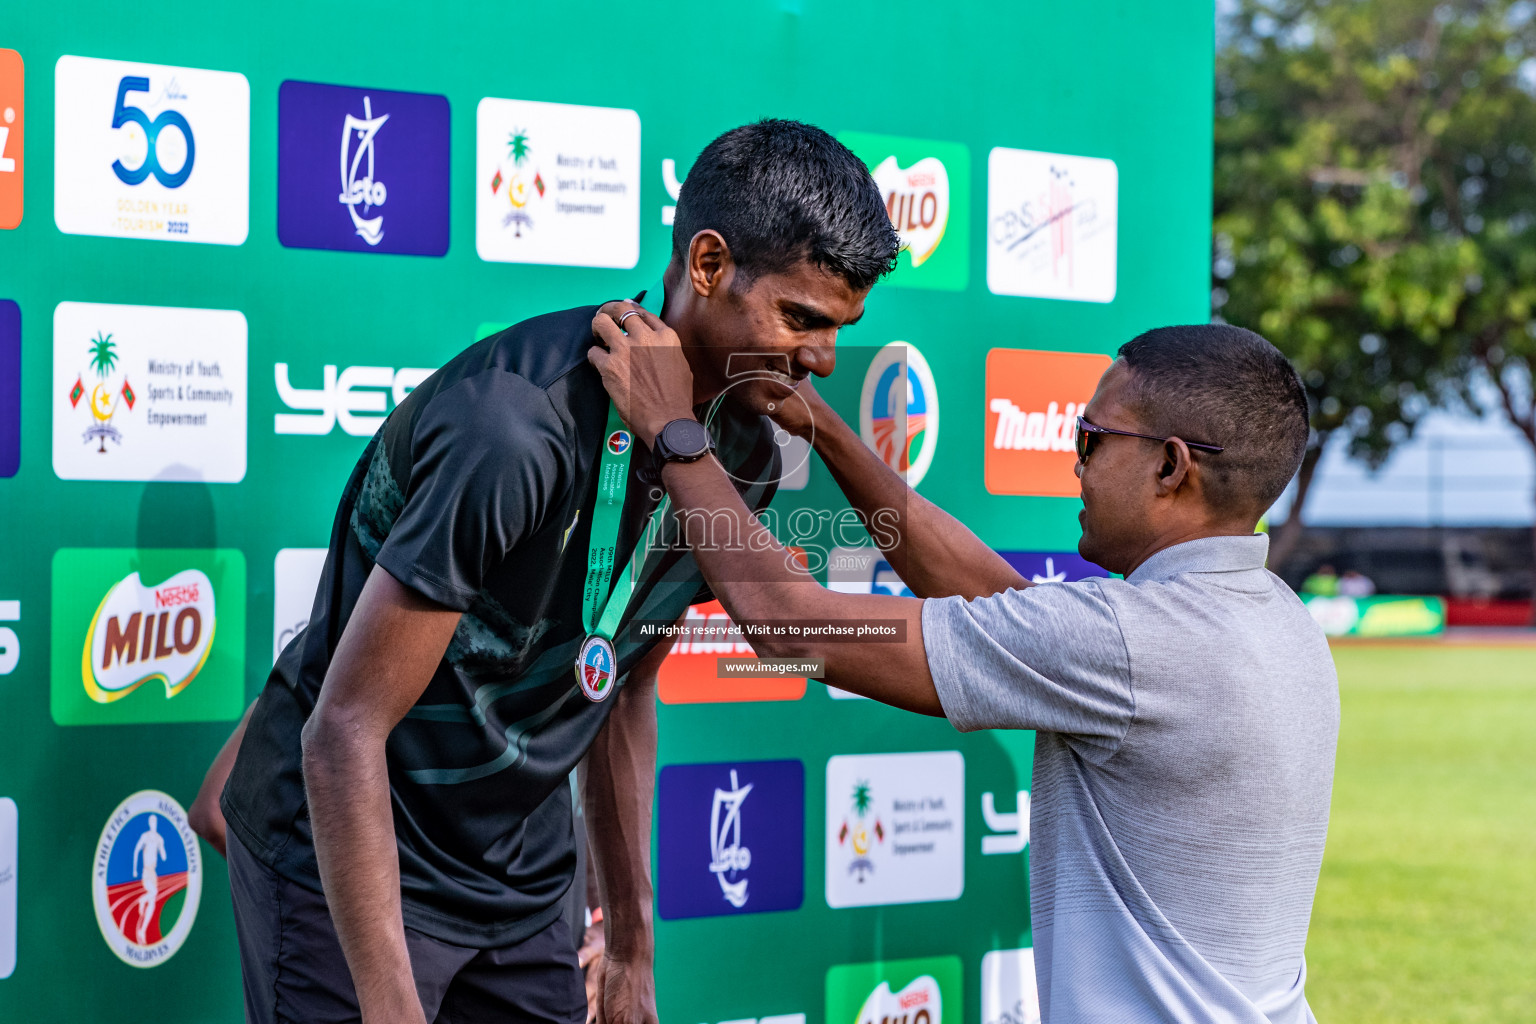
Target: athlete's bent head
x,y
779,234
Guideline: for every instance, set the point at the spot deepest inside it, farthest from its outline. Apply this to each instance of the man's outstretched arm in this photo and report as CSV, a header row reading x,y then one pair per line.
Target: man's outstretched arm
x,y
386,656
932,551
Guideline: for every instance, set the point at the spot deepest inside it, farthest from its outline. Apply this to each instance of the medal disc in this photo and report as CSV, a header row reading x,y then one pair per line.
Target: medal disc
x,y
595,668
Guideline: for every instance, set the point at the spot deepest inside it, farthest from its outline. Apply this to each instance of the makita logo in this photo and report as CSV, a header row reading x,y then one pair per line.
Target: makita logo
x,y
1048,431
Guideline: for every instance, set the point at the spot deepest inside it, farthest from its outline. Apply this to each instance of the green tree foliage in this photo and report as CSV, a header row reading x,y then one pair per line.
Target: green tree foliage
x,y
1375,207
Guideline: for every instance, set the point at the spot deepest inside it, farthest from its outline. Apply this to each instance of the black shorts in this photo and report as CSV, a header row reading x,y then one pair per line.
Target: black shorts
x,y
294,970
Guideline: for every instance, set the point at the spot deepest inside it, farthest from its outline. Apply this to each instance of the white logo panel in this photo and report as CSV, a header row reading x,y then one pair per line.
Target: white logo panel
x,y
353,398
557,183
1008,993
296,577
148,393
8,868
1052,225
149,151
895,828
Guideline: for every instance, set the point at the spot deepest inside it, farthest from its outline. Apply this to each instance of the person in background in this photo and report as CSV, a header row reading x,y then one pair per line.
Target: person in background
x,y
1356,584
1324,582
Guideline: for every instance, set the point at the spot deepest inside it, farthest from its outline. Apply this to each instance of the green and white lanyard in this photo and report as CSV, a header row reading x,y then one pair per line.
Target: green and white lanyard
x,y
603,609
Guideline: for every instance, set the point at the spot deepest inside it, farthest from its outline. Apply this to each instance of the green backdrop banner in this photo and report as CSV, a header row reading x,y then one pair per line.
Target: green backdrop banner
x,y
232,239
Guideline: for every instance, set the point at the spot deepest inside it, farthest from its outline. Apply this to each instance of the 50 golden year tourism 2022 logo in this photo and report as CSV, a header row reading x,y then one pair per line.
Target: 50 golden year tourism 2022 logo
x,y
147,635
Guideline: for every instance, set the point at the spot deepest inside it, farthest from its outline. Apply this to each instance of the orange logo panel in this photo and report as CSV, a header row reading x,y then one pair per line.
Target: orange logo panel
x,y
689,675
1033,401
12,119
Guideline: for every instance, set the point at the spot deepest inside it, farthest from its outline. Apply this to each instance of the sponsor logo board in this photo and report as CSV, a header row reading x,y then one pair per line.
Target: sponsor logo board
x,y
362,170
147,879
557,183
10,643
731,838
926,990
927,190
690,673
1009,830
899,410
1033,401
895,828
1008,993
147,635
295,578
13,123
1052,566
10,388
357,398
9,841
862,570
148,393
1052,225
149,151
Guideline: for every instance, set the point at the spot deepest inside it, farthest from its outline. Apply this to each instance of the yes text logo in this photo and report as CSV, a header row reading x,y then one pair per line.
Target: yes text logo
x,y
147,635
8,867
895,828
362,169
731,838
927,191
557,183
146,857
148,393
1008,994
1052,225
1010,829
1033,401
148,151
353,398
13,123
10,388
691,674
899,410
921,991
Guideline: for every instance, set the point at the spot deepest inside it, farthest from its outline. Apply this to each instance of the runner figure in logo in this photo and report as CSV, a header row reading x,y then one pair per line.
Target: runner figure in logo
x,y
595,668
146,857
619,442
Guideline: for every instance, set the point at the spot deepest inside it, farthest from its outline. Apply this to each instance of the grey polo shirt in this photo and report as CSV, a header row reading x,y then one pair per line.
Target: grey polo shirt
x,y
1187,718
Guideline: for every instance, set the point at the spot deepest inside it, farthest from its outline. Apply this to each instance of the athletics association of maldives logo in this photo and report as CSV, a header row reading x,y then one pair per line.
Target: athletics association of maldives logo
x,y
146,858
596,668
899,410
140,634
619,442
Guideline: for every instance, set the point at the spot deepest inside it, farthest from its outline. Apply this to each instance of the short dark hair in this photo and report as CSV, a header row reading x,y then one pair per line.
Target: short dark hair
x,y
1223,385
780,192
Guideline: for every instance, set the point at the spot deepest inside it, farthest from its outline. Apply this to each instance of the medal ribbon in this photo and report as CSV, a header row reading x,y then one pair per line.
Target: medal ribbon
x,y
602,609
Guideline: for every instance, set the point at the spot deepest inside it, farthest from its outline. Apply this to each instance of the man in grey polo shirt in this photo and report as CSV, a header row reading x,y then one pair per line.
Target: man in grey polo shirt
x,y
1187,715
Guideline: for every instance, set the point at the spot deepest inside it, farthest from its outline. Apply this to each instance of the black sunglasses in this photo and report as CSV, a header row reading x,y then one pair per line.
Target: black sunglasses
x,y
1088,435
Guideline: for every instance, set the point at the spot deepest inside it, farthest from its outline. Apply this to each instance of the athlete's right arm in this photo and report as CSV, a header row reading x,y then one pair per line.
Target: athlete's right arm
x,y
387,654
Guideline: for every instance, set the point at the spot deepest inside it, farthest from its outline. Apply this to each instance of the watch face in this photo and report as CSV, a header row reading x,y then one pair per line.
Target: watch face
x,y
685,437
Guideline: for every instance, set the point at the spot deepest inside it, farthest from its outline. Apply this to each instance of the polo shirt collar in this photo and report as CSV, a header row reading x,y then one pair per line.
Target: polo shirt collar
x,y
1206,554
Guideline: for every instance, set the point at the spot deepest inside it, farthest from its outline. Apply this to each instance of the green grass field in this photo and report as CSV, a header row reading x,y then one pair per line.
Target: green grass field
x,y
1426,910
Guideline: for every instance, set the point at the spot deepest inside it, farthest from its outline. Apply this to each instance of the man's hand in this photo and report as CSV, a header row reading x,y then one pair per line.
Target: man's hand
x,y
592,963
804,415
628,994
643,368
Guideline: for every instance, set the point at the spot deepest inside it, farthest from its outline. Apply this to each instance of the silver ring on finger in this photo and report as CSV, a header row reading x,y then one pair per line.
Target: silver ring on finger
x,y
626,316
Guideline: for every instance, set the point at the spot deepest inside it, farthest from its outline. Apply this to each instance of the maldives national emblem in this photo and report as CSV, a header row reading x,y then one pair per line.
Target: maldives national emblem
x,y
104,399
859,833
147,879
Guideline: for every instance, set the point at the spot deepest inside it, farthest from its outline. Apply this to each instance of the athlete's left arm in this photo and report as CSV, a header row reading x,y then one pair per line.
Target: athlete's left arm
x,y
619,782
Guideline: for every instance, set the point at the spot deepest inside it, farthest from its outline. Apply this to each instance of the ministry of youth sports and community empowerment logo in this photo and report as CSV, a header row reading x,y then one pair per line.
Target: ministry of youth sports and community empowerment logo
x,y
147,879
899,410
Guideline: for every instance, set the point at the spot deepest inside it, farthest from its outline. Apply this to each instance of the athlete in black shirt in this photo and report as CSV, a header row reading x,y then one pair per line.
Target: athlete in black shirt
x,y
399,815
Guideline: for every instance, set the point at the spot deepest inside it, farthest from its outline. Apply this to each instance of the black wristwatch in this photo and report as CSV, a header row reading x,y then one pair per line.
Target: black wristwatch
x,y
681,441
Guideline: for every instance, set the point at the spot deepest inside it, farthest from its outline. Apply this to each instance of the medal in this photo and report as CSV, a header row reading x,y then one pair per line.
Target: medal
x,y
595,668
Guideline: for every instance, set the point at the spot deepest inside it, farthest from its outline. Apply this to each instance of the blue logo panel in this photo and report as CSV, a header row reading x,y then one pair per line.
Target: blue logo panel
x,y
363,170
10,387
1052,566
731,838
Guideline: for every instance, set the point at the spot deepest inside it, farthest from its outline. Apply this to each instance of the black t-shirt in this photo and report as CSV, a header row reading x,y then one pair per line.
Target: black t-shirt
x,y
478,492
